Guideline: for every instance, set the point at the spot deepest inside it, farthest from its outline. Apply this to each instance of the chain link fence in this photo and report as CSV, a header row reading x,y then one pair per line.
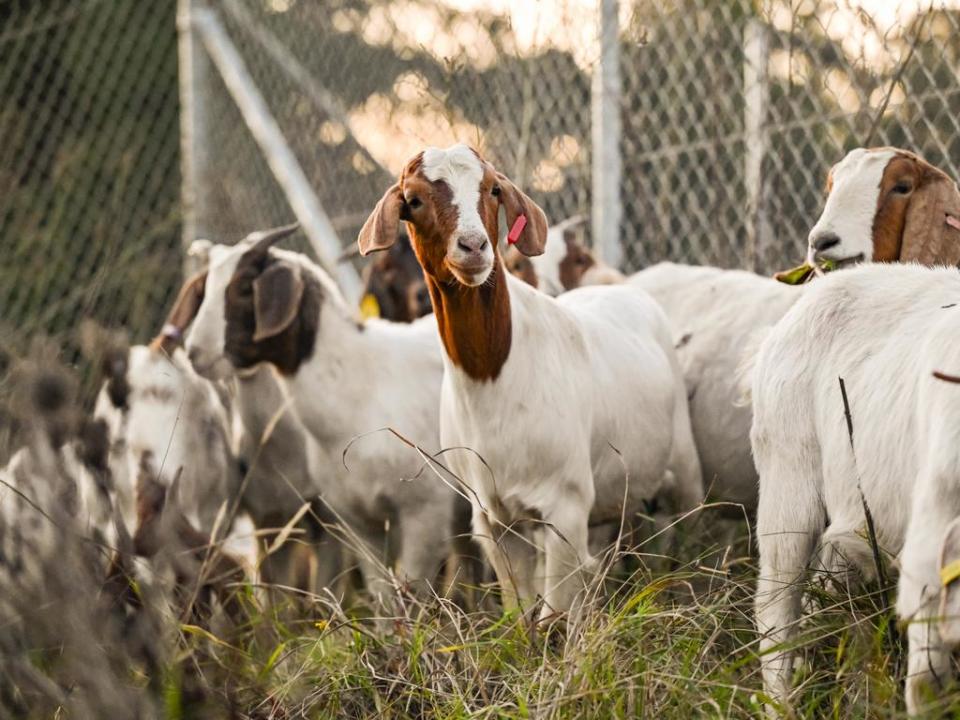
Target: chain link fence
x,y
734,111
731,110
89,177
731,113
357,88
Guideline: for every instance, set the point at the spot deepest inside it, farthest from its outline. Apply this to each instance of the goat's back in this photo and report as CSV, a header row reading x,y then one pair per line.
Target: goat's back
x,y
869,326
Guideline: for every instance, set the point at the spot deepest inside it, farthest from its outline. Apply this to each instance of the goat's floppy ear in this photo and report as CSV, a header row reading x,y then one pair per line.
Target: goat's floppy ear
x,y
182,313
380,230
277,292
533,237
931,231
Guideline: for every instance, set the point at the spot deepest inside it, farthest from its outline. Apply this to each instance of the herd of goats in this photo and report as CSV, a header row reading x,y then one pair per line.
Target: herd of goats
x,y
518,396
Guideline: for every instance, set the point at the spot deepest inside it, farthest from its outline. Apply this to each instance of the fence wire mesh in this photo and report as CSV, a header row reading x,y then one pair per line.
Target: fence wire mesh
x,y
359,87
732,111
834,75
89,179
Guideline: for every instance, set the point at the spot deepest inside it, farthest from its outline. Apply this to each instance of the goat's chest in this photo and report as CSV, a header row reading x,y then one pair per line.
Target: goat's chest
x,y
518,433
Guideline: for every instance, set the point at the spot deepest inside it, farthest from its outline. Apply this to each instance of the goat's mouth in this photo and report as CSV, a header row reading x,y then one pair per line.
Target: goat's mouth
x,y
817,258
844,262
471,274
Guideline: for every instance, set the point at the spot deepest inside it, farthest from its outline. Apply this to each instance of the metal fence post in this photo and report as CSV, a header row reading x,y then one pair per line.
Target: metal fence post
x,y
756,95
280,158
605,103
194,143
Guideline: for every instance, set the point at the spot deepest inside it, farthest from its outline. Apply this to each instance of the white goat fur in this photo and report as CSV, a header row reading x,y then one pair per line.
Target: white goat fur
x,y
883,329
285,467
360,380
174,422
593,369
715,314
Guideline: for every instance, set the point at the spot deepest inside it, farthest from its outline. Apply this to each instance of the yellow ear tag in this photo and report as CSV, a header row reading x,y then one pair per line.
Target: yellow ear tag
x,y
369,307
949,572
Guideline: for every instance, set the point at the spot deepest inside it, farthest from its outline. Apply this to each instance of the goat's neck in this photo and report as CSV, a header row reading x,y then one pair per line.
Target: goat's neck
x,y
474,323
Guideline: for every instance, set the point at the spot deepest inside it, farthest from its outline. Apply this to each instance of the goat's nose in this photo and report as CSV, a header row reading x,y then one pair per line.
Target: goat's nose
x,y
472,243
824,241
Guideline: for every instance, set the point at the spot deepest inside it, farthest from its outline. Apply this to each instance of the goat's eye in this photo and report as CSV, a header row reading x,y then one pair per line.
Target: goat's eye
x,y
495,191
414,202
902,188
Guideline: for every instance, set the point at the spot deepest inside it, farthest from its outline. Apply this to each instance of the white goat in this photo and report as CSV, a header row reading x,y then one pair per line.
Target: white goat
x,y
884,329
347,380
165,420
559,410
714,315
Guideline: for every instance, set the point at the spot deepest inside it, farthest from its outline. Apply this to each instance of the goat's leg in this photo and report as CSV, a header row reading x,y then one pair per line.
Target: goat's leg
x,y
330,556
929,606
369,545
424,544
788,525
568,562
512,556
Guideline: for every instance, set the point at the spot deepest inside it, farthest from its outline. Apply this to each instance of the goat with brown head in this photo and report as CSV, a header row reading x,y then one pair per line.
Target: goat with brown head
x,y
887,205
271,314
450,201
268,442
257,307
555,372
342,379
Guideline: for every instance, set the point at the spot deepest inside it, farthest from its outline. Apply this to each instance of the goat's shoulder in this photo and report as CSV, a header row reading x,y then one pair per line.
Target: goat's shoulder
x,y
879,298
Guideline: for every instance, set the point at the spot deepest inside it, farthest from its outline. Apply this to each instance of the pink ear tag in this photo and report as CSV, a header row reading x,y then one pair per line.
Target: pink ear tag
x,y
953,222
518,225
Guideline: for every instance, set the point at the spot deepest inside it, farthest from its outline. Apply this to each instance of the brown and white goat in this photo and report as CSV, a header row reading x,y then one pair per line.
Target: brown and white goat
x,y
281,463
348,381
887,205
553,412
393,286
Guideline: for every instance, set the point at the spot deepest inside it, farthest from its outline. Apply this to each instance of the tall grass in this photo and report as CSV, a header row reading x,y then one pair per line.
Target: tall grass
x,y
660,638
670,644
